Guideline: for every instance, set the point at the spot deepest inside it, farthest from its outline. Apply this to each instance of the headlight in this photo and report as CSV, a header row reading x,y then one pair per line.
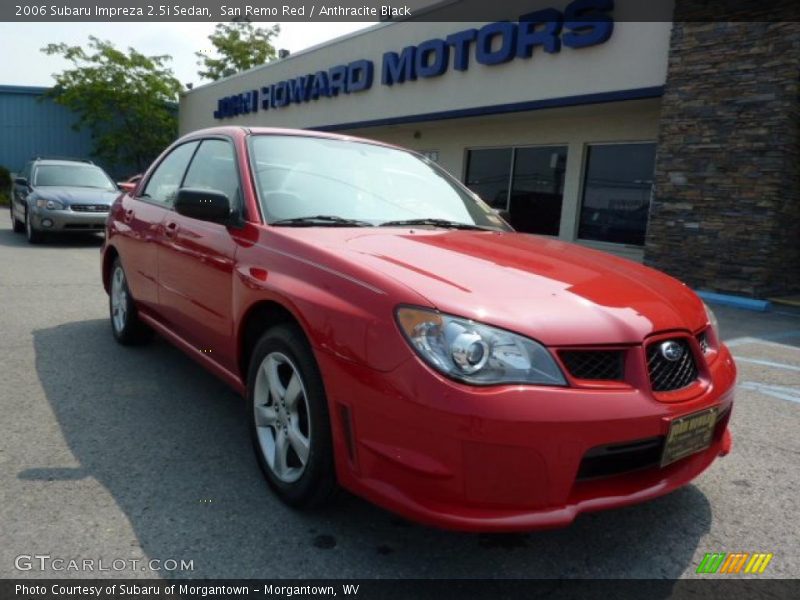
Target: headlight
x,y
49,204
712,319
476,353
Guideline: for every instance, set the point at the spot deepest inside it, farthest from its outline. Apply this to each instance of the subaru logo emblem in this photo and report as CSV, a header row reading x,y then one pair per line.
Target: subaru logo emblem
x,y
672,351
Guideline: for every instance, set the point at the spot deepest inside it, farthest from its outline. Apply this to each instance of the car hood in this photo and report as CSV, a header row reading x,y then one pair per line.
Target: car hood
x,y
556,292
77,195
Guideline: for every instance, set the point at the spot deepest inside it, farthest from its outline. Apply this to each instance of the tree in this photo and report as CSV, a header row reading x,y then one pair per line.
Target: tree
x,y
5,186
240,46
126,100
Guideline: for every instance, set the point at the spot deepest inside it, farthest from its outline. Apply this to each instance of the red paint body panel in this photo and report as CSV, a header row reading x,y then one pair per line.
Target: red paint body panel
x,y
195,273
435,450
503,458
136,228
557,293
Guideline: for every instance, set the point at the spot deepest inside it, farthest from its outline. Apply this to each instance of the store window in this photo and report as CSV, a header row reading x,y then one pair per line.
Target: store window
x,y
488,175
527,182
618,183
537,190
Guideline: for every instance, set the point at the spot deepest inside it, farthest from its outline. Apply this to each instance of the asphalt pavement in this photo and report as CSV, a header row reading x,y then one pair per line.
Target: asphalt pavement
x,y
134,454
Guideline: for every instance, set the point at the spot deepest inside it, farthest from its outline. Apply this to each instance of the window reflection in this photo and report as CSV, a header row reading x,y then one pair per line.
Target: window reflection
x,y
538,189
528,182
616,194
488,172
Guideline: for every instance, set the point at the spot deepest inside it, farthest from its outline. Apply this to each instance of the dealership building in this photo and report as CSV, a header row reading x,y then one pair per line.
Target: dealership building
x,y
674,143
32,124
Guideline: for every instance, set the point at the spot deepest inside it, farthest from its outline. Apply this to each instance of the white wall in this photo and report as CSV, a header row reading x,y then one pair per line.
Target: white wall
x,y
634,57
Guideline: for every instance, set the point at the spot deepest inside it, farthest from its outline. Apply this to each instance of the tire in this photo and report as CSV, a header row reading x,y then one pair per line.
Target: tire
x,y
283,365
126,326
34,235
15,223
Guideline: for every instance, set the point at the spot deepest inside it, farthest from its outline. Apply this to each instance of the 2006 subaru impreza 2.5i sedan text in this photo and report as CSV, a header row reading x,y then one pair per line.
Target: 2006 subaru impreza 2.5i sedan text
x,y
393,336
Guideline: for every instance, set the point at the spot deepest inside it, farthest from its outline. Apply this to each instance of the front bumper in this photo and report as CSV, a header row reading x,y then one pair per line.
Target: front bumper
x,y
502,458
68,220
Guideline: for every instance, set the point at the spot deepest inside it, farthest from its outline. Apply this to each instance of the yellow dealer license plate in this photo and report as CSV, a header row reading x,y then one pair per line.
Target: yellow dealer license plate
x,y
688,435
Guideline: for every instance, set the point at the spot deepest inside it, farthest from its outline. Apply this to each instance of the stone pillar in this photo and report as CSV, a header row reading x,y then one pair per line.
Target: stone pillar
x,y
726,209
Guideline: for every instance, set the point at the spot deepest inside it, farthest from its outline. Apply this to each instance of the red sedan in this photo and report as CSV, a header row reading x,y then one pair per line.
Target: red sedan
x,y
395,337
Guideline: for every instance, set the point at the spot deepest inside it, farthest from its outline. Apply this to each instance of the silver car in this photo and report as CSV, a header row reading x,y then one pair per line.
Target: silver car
x,y
61,196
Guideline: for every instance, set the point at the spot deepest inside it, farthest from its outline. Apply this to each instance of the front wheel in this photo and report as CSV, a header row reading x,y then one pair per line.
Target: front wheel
x,y
128,329
34,235
18,226
289,418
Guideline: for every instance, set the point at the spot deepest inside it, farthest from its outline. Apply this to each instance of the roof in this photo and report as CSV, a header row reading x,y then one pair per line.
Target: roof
x,y
236,130
24,89
63,161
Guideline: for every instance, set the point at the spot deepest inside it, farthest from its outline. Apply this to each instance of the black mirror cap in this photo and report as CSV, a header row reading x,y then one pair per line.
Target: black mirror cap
x,y
204,205
21,181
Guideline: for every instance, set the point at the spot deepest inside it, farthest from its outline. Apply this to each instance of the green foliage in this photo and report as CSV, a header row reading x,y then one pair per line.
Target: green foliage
x,y
125,99
5,178
5,185
240,46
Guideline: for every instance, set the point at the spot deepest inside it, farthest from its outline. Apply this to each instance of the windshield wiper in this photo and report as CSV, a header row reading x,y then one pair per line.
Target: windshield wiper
x,y
436,223
321,220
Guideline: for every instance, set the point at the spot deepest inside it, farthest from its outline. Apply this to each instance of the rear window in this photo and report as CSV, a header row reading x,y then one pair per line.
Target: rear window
x,y
87,176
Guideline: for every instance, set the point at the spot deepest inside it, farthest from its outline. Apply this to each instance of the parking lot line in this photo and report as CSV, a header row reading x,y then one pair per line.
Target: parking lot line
x,y
766,363
770,338
776,391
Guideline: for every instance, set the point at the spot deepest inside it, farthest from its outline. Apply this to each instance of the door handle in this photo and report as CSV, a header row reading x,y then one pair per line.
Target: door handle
x,y
170,229
128,216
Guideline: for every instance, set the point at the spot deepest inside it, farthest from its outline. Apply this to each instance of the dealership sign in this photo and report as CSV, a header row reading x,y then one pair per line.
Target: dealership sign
x,y
583,23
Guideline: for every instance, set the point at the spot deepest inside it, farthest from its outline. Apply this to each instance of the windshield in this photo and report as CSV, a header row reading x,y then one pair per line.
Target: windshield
x,y
87,176
304,177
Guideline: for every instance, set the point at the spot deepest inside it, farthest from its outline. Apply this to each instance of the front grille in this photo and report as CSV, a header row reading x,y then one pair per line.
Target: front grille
x,y
605,365
605,461
668,375
93,208
702,339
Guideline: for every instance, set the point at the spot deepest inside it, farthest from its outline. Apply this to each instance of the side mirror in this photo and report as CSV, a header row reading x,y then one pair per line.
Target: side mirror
x,y
21,181
204,205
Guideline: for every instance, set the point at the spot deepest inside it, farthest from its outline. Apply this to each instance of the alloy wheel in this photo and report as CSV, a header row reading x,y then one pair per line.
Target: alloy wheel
x,y
282,416
119,299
